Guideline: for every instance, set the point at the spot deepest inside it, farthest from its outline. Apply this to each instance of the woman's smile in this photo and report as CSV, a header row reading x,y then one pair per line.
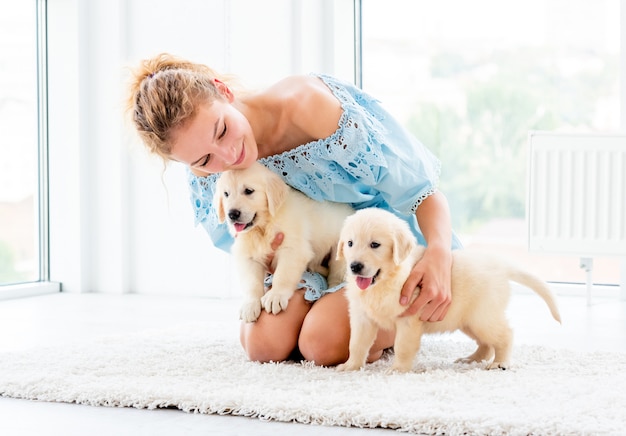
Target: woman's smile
x,y
241,157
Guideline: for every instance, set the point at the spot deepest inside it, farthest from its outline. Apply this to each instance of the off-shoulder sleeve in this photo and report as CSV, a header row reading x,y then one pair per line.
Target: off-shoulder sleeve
x,y
369,160
412,170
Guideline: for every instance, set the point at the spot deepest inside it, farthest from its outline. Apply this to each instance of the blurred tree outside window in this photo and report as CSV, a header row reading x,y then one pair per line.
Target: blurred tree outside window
x,y
471,79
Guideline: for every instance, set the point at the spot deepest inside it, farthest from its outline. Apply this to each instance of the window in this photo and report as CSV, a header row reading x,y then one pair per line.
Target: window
x,y
470,79
22,143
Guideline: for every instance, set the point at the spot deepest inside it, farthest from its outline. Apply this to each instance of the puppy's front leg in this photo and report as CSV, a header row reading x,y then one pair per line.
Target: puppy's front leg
x,y
407,343
289,269
336,271
252,280
362,335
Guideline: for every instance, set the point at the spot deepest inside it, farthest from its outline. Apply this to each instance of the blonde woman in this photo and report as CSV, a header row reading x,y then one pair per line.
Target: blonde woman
x,y
325,138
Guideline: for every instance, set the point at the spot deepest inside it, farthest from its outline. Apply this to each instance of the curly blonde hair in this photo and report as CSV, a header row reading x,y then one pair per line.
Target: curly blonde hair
x,y
165,92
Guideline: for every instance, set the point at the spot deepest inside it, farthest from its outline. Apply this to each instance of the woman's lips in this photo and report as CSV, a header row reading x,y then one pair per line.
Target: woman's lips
x,y
242,156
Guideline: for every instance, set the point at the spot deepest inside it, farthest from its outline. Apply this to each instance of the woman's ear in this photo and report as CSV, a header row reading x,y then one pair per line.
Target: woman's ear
x,y
224,90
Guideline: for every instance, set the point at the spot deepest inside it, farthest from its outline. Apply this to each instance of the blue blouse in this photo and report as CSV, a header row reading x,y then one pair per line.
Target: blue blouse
x,y
369,161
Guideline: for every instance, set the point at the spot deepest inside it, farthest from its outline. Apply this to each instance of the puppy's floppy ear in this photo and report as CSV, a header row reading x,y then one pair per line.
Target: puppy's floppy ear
x,y
402,245
276,191
339,255
217,201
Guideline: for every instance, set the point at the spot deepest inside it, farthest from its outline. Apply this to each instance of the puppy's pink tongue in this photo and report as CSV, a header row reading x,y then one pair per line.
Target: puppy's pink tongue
x,y
240,226
363,282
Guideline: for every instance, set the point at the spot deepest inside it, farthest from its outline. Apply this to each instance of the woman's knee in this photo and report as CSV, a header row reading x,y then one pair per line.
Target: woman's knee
x,y
325,334
262,347
323,348
274,337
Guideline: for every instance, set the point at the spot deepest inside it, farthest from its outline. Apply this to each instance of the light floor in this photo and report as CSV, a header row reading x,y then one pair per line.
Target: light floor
x,y
61,318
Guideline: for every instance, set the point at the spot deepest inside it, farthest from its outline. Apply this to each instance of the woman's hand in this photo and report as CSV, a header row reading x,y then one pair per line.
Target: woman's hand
x,y
278,239
432,273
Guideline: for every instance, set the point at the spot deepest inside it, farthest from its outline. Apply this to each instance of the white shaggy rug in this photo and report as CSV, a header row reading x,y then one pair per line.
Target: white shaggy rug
x,y
196,369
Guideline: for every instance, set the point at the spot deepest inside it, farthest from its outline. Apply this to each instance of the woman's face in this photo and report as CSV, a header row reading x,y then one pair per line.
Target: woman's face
x,y
217,139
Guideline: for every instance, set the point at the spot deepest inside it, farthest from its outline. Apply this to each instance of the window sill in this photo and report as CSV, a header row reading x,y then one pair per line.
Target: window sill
x,y
28,290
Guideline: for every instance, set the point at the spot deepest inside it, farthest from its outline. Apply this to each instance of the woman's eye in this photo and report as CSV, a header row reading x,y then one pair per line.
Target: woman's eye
x,y
206,160
374,244
223,132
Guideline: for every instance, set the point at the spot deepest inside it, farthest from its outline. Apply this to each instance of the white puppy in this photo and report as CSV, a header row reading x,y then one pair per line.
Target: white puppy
x,y
380,251
257,204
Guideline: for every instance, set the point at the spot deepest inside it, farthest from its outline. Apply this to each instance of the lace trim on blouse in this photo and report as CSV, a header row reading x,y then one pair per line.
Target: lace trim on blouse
x,y
428,193
352,152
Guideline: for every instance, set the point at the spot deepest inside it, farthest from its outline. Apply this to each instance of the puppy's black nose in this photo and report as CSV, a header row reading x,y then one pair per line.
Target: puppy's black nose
x,y
356,267
234,214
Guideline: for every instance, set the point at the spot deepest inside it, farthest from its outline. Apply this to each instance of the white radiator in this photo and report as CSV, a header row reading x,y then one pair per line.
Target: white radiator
x,y
577,195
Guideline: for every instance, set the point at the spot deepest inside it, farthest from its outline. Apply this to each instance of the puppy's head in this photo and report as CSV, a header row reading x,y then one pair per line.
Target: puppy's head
x,y
374,242
248,198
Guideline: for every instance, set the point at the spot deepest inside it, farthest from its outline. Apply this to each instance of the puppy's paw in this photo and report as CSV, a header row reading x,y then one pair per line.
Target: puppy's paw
x,y
250,310
498,365
274,301
348,366
466,360
398,367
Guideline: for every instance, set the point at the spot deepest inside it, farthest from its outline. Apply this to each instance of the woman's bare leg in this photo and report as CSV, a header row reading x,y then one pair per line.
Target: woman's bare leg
x,y
325,334
274,337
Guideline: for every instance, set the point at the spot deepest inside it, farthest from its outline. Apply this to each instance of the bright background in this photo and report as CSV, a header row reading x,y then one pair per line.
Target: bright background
x,y
468,78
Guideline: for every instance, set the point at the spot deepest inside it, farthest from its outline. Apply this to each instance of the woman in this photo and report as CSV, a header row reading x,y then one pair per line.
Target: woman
x,y
325,138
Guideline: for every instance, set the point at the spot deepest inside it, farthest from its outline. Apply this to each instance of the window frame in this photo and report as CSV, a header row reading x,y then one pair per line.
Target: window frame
x,y
43,285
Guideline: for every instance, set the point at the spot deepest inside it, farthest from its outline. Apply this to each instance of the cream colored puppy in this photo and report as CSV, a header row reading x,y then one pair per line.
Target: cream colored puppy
x,y
257,204
380,250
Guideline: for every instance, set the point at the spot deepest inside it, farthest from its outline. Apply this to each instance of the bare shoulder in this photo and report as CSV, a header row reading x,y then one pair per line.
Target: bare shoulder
x,y
310,105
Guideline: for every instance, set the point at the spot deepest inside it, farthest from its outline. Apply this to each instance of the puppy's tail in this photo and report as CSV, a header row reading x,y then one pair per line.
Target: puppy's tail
x,y
537,285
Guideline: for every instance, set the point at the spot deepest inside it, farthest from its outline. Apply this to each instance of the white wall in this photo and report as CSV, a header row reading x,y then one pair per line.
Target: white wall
x,y
119,223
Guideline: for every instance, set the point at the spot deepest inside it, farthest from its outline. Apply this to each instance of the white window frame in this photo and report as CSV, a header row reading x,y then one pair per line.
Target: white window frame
x,y
43,285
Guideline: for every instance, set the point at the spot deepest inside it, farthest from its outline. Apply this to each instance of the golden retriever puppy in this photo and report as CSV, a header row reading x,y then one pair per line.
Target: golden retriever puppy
x,y
380,251
257,204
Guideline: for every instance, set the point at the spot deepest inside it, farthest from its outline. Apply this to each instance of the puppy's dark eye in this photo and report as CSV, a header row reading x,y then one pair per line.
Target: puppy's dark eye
x,y
248,191
226,194
374,244
349,243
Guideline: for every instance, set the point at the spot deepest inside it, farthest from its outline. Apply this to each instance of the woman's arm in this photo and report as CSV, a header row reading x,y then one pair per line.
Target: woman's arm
x,y
433,272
